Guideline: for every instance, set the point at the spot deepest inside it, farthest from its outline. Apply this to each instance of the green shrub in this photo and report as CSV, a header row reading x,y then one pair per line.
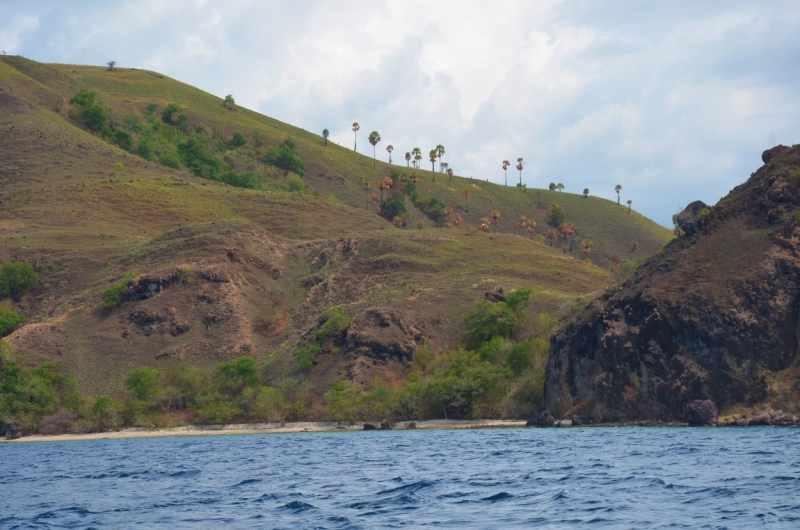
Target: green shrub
x,y
343,401
9,320
486,320
556,215
336,321
518,300
237,374
285,158
238,140
703,215
15,277
269,405
142,382
393,207
305,356
112,297
519,357
433,208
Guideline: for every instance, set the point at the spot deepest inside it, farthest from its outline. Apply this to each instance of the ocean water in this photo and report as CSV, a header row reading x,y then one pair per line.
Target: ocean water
x,y
505,478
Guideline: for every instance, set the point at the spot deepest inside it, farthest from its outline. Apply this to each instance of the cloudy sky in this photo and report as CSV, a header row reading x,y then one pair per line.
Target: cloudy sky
x,y
673,100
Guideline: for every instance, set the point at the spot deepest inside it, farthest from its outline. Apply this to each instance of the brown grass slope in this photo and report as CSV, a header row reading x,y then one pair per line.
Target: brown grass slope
x,y
223,271
713,316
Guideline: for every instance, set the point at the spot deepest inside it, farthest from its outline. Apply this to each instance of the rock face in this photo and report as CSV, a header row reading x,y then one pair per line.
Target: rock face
x,y
715,316
701,412
687,219
776,151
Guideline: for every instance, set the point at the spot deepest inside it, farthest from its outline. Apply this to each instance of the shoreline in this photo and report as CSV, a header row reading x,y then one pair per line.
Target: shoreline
x,y
269,428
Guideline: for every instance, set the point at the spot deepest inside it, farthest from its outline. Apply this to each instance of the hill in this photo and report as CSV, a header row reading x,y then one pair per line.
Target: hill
x,y
714,316
214,271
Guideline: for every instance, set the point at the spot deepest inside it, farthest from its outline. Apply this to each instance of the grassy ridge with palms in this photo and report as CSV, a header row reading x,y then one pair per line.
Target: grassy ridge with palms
x,y
250,271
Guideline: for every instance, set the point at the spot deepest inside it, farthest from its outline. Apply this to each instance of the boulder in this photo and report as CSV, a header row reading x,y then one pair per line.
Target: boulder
x,y
701,412
498,294
13,434
776,151
761,419
779,418
687,219
542,419
563,423
386,425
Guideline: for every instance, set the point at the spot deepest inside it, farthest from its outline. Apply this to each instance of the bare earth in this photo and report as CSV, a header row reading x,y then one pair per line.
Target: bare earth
x,y
268,428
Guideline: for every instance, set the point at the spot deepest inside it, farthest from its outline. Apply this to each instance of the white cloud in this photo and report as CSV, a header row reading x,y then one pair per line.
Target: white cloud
x,y
670,99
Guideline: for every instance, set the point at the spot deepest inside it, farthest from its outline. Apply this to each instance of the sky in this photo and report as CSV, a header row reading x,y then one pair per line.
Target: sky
x,y
675,101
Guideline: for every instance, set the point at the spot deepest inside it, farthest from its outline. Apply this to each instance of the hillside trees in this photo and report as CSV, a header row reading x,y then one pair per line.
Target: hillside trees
x,y
9,320
506,163
88,112
285,157
585,193
555,215
417,154
440,152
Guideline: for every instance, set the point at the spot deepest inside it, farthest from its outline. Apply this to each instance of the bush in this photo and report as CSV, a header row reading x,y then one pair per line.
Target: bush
x,y
114,295
285,158
486,320
343,401
15,277
393,207
433,208
9,320
123,139
518,300
142,382
237,374
238,140
556,215
519,357
305,356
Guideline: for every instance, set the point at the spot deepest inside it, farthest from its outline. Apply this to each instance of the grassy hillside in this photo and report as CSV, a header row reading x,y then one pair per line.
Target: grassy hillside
x,y
222,271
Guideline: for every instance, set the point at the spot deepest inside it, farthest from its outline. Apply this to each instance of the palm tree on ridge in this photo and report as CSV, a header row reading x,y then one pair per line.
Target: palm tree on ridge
x,y
374,138
356,127
390,148
506,163
325,134
519,166
618,188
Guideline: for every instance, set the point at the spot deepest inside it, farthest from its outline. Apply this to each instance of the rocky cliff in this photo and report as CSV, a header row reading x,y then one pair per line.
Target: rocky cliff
x,y
713,316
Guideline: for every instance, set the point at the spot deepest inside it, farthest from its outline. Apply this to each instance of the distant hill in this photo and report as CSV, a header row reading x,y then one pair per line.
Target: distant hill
x,y
215,271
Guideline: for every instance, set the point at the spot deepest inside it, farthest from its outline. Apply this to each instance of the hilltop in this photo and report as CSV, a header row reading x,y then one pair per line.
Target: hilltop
x,y
214,271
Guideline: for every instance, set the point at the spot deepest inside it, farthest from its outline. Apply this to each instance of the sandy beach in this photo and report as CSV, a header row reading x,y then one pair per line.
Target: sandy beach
x,y
268,428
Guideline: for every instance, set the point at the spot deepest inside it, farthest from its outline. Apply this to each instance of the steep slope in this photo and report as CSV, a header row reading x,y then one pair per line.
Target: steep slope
x,y
714,316
221,271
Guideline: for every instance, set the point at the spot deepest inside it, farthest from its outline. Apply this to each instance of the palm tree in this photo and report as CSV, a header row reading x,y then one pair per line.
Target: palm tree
x,y
485,224
374,138
567,229
635,244
408,159
443,167
587,245
539,197
531,226
439,151
495,216
415,177
450,174
585,193
466,198
618,188
551,236
367,186
551,187
506,163
457,220
325,134
539,238
519,166
448,212
356,127
390,148
433,155
417,153
629,205
559,186
523,222
420,224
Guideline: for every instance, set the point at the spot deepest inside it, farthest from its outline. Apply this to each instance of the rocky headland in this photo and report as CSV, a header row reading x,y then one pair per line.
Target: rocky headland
x,y
708,327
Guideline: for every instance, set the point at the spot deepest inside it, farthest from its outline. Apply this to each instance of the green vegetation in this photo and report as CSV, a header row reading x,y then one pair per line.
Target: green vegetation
x,y
9,320
29,396
15,277
335,321
114,295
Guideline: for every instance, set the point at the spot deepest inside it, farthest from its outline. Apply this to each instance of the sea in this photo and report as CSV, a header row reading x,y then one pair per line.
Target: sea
x,y
487,478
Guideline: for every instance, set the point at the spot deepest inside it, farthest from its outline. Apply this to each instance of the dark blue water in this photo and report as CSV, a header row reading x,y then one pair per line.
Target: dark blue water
x,y
547,478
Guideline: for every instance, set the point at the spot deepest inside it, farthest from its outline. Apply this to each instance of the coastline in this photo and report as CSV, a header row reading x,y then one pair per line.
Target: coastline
x,y
269,428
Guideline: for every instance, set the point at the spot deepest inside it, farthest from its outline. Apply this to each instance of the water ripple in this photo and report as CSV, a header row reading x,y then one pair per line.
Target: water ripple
x,y
556,478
